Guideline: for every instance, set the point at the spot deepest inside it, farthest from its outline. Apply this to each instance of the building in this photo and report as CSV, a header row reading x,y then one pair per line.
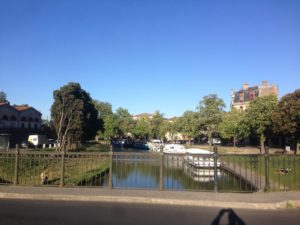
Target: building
x,y
19,117
241,98
142,116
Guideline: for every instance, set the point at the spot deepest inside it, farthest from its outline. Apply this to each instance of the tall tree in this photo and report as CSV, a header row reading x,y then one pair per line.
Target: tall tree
x,y
111,126
232,126
104,109
74,116
156,125
142,129
3,96
189,124
286,118
126,123
210,108
258,116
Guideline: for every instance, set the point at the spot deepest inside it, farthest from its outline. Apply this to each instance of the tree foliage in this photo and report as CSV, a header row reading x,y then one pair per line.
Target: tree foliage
x,y
258,116
233,126
156,124
210,108
286,118
3,96
142,129
74,116
188,124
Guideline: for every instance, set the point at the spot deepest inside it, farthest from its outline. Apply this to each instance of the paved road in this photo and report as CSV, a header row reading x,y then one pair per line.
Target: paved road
x,y
29,212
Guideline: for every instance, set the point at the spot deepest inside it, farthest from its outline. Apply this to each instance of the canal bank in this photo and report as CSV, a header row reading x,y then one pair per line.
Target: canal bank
x,y
258,200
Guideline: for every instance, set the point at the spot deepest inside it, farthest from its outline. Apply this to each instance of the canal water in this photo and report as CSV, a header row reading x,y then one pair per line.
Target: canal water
x,y
144,173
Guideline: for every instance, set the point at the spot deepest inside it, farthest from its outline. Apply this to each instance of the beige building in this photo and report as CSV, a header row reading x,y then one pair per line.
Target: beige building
x,y
142,115
19,116
241,98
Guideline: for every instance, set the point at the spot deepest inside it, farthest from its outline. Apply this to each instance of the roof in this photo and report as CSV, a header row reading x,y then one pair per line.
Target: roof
x,y
4,103
22,107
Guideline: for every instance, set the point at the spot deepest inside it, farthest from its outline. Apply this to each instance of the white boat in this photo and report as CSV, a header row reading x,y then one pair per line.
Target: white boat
x,y
155,145
174,148
193,156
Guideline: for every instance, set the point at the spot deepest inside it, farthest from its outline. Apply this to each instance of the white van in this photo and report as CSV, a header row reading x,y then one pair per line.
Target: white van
x,y
37,140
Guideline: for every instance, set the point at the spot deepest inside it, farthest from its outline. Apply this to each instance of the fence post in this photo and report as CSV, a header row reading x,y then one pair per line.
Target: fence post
x,y
111,154
267,180
62,169
215,169
16,181
161,172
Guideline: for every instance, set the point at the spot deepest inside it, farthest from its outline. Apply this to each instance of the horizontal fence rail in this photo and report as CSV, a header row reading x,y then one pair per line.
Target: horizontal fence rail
x,y
148,170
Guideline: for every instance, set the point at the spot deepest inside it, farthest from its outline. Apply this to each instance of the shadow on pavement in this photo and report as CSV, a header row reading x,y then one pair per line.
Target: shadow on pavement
x,y
233,218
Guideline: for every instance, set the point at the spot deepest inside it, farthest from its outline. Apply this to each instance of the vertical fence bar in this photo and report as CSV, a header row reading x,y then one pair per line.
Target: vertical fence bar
x,y
16,180
161,172
62,169
267,181
215,169
110,184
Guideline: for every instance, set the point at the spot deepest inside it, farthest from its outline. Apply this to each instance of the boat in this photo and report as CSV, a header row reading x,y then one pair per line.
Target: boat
x,y
195,157
141,145
155,145
174,148
122,143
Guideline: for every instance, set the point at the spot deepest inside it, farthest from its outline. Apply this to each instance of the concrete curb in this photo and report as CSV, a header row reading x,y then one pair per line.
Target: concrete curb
x,y
146,200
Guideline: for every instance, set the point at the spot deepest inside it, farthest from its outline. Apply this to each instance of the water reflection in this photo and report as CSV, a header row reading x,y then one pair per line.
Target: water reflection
x,y
143,172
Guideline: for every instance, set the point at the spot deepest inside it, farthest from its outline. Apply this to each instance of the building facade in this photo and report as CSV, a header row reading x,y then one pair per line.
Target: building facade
x,y
19,117
241,99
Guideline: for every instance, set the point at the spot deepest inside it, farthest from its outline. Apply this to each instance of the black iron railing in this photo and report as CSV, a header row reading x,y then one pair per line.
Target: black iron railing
x,y
148,170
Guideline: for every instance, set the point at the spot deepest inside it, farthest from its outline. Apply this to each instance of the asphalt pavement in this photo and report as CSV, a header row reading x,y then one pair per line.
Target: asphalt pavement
x,y
39,212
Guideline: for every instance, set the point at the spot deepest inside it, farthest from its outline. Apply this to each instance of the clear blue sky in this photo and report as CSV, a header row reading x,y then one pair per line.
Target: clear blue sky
x,y
147,55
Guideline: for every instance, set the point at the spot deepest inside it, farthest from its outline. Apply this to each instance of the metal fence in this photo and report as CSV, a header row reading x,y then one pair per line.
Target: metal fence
x,y
160,171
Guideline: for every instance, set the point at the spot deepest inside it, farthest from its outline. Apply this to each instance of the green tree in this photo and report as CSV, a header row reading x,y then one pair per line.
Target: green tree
x,y
142,129
210,108
286,118
125,121
111,126
156,124
189,124
3,96
232,126
258,116
104,109
74,116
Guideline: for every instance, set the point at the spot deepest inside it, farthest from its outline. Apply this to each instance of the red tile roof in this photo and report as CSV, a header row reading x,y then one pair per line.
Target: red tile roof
x,y
21,107
3,103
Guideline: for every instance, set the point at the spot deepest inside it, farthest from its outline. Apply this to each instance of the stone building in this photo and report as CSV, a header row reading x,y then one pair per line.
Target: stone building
x,y
240,99
19,117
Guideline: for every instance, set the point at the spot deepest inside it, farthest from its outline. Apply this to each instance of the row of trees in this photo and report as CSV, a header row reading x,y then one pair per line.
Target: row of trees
x,y
76,117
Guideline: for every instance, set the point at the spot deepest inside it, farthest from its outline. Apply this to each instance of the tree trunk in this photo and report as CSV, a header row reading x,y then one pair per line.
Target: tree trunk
x,y
297,147
234,141
209,134
262,143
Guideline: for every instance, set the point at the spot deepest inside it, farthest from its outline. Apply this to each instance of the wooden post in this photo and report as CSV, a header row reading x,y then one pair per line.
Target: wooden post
x,y
16,180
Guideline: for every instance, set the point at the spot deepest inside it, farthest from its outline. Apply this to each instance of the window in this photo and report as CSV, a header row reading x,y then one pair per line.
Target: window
x,y
30,119
22,125
13,118
241,97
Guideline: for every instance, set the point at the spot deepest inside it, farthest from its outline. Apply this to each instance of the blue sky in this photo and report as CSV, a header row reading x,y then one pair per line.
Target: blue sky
x,y
147,55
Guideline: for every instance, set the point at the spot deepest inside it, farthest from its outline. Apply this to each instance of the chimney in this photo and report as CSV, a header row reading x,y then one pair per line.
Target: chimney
x,y
245,86
265,83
